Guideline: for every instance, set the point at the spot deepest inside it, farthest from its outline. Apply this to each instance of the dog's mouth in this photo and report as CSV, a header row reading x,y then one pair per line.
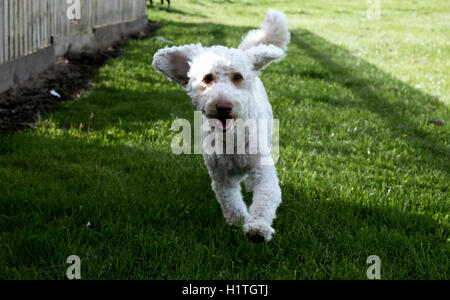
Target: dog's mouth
x,y
226,122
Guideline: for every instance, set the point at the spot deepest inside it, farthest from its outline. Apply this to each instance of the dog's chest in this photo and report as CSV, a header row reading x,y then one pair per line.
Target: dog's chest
x,y
230,165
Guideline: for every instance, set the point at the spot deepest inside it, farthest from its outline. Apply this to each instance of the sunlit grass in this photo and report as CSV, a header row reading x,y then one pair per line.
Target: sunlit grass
x,y
363,166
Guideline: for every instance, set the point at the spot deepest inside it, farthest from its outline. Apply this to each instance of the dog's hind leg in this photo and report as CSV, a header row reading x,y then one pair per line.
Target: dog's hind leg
x,y
266,199
230,199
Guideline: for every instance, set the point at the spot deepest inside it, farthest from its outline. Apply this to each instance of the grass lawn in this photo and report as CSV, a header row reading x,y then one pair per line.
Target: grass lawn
x,y
364,168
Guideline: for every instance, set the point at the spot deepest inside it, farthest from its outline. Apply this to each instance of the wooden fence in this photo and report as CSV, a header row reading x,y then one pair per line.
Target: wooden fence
x,y
29,25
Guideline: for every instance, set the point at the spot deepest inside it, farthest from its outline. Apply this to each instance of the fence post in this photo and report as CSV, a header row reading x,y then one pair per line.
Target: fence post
x,y
27,26
2,33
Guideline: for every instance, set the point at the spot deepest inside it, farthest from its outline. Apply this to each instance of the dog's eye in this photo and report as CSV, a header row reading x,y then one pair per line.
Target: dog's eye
x,y
237,77
208,78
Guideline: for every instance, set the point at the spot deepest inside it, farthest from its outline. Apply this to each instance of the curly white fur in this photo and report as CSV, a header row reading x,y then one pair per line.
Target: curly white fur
x,y
188,65
274,31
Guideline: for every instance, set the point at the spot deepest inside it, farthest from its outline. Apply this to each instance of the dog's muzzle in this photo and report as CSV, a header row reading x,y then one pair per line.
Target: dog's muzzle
x,y
223,113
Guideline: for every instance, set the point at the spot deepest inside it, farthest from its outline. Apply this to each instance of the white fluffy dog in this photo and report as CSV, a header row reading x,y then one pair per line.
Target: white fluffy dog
x,y
224,84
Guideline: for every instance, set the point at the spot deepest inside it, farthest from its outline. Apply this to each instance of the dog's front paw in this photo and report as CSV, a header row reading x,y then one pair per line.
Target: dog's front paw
x,y
258,231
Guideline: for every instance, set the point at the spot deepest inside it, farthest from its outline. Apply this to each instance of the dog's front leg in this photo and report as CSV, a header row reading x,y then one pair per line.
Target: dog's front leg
x,y
266,199
229,195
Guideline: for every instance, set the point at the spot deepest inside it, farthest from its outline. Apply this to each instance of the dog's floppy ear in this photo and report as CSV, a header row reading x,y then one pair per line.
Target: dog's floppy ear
x,y
174,62
263,55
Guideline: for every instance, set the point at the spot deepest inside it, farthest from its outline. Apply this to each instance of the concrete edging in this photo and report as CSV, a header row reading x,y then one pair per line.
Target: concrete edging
x,y
26,67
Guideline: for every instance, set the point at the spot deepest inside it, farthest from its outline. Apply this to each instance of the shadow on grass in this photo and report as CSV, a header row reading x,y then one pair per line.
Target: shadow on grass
x,y
321,230
153,213
173,10
401,106
397,103
147,221
121,108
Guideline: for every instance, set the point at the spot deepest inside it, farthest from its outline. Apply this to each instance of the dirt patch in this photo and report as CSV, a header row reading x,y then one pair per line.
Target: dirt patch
x,y
71,76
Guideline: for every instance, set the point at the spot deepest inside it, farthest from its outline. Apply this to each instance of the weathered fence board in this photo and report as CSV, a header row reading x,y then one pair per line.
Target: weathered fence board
x,y
29,25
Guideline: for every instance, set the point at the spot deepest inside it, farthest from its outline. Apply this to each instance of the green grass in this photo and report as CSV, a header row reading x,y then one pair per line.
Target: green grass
x,y
363,171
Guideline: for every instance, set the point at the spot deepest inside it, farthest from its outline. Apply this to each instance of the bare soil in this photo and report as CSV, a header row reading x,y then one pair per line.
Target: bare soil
x,y
69,77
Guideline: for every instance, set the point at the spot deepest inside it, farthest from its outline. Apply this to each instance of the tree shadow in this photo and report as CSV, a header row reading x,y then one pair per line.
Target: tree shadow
x,y
147,205
173,10
401,107
408,244
397,103
149,202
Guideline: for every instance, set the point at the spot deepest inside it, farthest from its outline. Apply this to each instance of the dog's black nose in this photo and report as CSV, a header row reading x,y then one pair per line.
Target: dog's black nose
x,y
224,108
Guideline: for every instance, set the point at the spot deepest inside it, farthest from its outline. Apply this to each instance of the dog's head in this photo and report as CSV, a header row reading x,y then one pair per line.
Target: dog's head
x,y
222,81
